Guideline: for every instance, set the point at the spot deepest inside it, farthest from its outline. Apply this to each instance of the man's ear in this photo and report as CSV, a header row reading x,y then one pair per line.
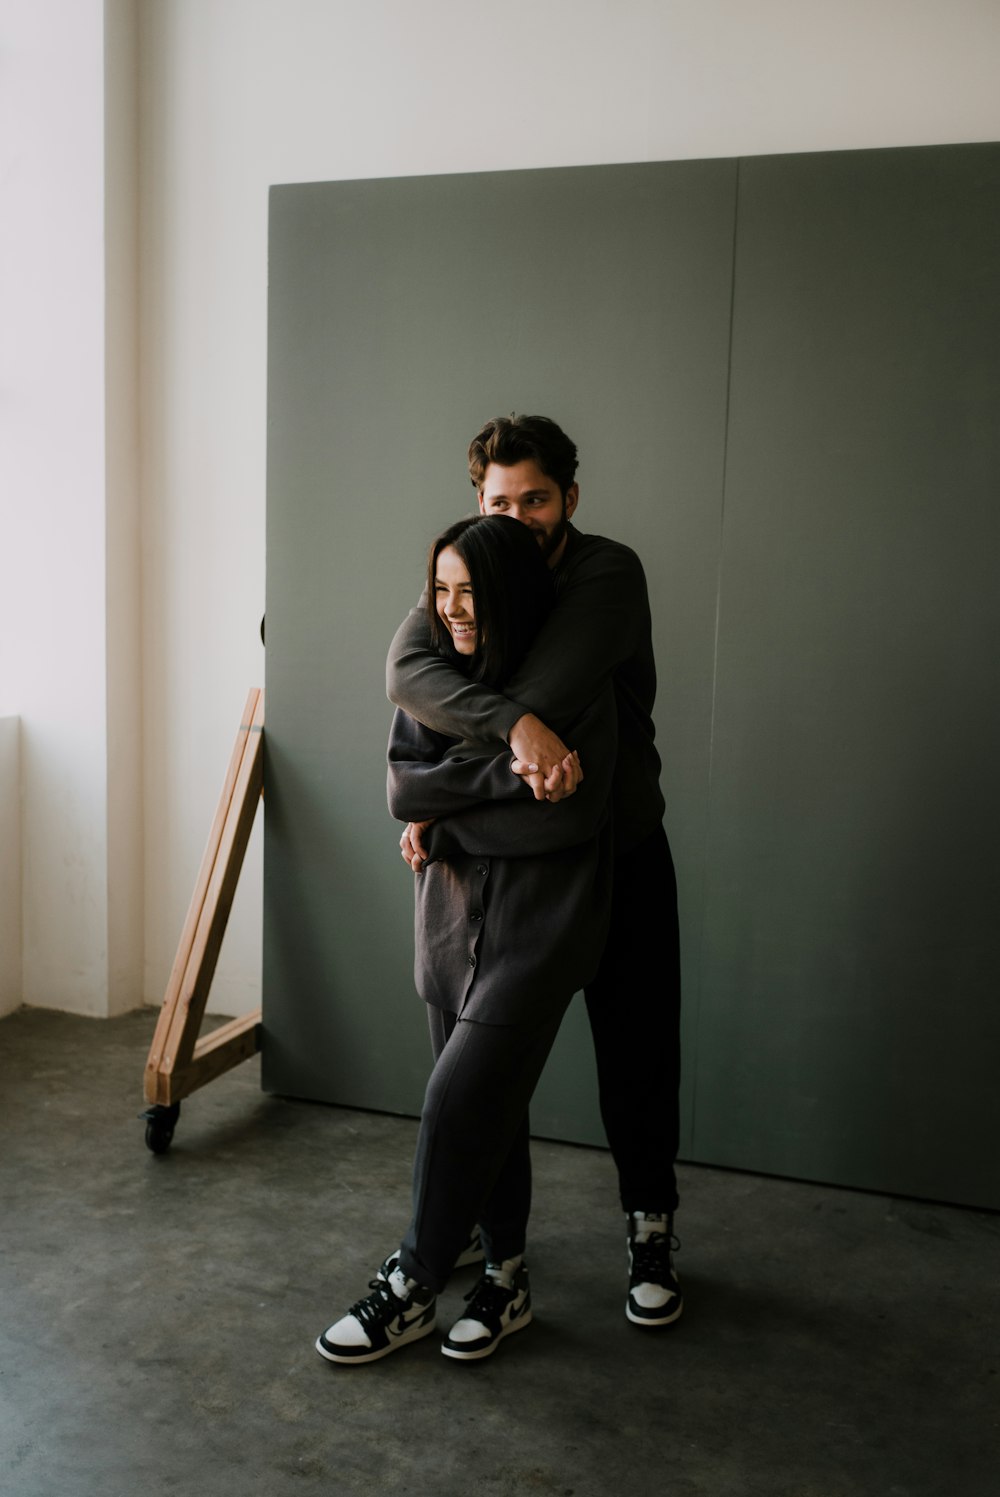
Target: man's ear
x,y
482,509
572,500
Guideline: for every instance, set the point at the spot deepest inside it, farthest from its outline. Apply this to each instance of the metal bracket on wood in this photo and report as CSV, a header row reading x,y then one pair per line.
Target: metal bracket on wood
x,y
179,1062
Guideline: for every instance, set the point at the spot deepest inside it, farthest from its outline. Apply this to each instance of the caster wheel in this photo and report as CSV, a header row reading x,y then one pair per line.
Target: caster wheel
x,y
160,1123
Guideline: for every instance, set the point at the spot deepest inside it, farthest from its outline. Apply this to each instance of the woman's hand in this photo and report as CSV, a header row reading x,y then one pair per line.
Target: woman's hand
x,y
564,778
540,757
411,845
561,780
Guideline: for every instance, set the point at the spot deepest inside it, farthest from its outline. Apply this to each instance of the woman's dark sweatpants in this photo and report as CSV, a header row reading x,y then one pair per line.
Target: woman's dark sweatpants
x,y
472,1162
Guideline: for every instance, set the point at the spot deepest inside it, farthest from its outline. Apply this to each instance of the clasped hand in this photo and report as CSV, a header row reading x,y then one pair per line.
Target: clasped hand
x,y
541,759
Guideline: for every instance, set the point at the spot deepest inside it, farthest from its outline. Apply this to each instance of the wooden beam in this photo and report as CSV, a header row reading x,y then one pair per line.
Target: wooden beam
x,y
175,1046
217,1053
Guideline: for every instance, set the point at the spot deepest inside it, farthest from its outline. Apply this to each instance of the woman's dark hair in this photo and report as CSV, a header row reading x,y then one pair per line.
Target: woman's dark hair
x,y
512,591
514,439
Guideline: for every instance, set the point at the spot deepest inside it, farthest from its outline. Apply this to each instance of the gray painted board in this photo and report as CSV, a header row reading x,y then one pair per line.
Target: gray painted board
x,y
850,1028
403,313
829,753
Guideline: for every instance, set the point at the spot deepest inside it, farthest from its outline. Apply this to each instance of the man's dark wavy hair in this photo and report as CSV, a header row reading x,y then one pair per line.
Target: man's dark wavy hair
x,y
513,439
512,592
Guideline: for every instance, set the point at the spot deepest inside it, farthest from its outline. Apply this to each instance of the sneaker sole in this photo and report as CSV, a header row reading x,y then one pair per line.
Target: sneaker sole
x,y
346,1359
487,1351
664,1320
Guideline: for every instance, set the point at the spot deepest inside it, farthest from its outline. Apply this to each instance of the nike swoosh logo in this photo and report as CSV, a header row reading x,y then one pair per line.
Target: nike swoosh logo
x,y
404,1325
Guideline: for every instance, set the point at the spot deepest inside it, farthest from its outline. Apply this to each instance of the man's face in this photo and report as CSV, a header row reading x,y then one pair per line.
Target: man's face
x,y
525,493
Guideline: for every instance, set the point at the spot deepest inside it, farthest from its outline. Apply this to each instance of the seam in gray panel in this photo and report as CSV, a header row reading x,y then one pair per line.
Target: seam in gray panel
x,y
715,667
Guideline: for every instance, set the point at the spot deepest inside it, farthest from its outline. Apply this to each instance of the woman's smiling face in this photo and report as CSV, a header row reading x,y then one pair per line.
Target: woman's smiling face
x,y
453,600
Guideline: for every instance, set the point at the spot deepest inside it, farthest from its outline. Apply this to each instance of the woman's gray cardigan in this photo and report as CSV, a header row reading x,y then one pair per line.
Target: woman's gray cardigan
x,y
512,907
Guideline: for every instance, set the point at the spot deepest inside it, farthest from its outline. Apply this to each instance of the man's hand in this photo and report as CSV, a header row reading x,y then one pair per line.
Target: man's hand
x,y
561,781
411,844
551,769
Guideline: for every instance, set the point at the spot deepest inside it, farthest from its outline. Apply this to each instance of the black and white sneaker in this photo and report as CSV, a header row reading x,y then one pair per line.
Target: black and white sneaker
x,y
398,1311
654,1295
499,1304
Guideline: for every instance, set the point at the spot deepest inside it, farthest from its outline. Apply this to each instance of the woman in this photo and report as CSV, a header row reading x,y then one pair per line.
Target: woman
x,y
511,913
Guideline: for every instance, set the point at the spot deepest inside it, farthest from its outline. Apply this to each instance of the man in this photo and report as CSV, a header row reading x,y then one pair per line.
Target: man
x,y
524,467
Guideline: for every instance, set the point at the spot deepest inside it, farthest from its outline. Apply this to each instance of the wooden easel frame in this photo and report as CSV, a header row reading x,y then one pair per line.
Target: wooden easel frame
x,y
179,1062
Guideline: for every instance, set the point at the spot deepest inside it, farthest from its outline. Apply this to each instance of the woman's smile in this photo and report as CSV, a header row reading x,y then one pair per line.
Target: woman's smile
x,y
453,600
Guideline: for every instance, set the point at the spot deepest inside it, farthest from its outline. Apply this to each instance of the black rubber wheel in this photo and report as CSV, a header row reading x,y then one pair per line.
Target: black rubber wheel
x,y
160,1123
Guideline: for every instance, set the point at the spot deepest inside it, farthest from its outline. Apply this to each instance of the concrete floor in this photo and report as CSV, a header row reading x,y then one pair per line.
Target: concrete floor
x,y
158,1316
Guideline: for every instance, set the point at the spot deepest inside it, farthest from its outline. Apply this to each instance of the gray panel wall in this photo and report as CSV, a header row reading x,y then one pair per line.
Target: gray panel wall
x,y
828,756
851,940
403,313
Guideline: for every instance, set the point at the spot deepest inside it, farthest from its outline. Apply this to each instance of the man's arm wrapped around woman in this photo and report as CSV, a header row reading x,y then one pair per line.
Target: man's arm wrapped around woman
x,y
480,806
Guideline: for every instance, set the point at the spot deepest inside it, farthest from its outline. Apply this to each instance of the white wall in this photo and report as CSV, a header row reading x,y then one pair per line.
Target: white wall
x,y
10,865
79,948
123,602
234,95
239,94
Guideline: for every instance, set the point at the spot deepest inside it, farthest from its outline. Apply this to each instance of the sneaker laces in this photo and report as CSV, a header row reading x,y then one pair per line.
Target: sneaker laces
x,y
487,1299
651,1260
382,1305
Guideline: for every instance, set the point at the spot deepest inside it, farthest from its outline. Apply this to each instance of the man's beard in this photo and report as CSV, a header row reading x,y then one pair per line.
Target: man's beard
x,y
550,543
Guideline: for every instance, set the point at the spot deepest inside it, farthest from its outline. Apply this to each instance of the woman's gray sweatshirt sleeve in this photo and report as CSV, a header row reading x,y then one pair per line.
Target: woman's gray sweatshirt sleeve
x,y
480,807
431,774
